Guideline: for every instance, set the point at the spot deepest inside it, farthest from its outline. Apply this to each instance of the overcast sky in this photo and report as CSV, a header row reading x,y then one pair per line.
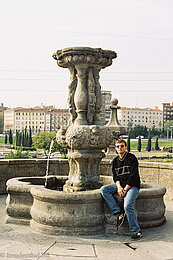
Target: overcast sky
x,y
140,31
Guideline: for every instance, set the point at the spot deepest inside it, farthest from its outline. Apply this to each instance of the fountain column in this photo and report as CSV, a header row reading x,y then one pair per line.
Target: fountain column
x,y
80,97
85,137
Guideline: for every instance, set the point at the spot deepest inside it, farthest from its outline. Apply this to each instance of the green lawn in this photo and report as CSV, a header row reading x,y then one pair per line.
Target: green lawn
x,y
166,144
166,160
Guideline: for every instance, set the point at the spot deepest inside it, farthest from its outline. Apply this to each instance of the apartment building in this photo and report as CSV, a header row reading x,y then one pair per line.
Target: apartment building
x,y
2,109
20,118
55,118
105,110
148,117
167,109
38,118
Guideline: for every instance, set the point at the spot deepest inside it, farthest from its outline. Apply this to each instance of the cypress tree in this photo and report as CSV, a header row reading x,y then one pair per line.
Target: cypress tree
x,y
139,144
23,139
20,139
30,138
27,140
10,137
128,143
149,143
17,138
157,144
6,139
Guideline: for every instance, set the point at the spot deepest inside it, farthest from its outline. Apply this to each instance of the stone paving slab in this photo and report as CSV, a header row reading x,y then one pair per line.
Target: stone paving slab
x,y
20,242
72,250
156,250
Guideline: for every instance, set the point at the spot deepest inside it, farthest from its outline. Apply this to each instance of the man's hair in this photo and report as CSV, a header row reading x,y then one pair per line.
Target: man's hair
x,y
121,141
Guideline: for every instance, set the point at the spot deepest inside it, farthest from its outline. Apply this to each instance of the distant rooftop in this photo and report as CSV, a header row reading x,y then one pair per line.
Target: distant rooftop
x,y
137,108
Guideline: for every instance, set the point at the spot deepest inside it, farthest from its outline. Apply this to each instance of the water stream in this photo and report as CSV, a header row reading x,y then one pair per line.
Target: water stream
x,y
48,159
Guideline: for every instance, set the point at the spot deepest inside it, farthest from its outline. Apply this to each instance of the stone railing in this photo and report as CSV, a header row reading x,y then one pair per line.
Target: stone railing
x,y
158,173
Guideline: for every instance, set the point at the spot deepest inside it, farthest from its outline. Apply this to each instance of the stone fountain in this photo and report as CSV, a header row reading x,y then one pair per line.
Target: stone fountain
x,y
72,205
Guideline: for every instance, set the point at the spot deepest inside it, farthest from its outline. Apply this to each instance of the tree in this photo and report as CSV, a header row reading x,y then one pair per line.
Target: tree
x,y
139,144
27,140
155,132
17,138
23,139
43,140
149,143
1,125
138,130
10,137
20,139
157,144
167,128
167,124
128,143
6,138
129,127
30,138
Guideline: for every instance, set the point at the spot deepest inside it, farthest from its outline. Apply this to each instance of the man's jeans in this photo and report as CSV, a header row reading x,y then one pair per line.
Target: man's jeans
x,y
108,191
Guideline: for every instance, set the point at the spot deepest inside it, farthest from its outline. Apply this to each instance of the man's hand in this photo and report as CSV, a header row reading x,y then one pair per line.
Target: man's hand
x,y
120,191
124,193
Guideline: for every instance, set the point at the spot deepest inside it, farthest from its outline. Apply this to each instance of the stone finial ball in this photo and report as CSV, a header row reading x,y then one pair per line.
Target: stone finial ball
x,y
114,102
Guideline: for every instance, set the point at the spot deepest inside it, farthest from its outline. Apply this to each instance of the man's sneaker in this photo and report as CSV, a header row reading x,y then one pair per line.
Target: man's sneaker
x,y
120,219
137,236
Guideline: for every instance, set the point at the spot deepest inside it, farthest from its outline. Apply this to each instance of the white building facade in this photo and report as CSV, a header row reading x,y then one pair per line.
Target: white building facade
x,y
38,119
149,117
21,118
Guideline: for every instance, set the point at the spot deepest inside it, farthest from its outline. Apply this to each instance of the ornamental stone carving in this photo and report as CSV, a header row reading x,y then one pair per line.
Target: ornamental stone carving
x,y
85,137
84,64
92,137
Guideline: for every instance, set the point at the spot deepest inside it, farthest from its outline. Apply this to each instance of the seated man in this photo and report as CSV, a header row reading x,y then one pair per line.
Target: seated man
x,y
126,184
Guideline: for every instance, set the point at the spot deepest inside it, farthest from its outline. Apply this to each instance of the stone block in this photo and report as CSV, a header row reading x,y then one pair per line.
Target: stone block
x,y
21,167
4,175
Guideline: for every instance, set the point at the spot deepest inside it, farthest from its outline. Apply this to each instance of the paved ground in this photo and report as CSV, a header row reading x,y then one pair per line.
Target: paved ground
x,y
20,242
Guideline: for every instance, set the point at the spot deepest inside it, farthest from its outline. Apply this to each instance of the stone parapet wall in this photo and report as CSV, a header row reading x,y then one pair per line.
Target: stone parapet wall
x,y
25,168
152,172
158,173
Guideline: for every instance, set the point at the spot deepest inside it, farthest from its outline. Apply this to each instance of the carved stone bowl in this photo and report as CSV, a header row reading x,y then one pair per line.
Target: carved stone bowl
x,y
53,211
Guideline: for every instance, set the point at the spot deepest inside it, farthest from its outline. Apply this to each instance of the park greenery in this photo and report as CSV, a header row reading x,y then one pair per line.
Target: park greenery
x,y
18,155
164,145
24,141
43,140
140,130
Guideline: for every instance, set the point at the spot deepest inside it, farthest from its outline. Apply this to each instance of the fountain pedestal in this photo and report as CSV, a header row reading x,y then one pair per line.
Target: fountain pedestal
x,y
85,138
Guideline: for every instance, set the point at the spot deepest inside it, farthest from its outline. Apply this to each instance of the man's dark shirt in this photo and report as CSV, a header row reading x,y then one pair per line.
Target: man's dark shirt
x,y
126,171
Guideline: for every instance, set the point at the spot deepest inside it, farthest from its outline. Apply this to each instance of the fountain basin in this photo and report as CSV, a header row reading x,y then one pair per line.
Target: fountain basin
x,y
57,212
20,199
149,207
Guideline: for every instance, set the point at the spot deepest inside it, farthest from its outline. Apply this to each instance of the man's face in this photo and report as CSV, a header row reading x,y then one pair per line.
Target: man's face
x,y
121,148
